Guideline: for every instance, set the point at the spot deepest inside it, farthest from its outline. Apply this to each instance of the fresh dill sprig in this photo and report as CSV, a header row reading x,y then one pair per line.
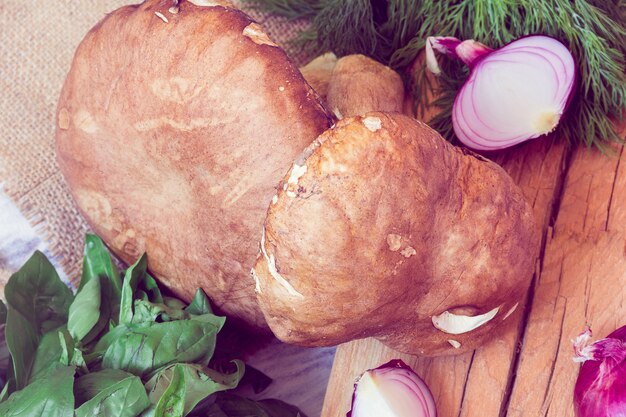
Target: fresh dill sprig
x,y
394,32
302,9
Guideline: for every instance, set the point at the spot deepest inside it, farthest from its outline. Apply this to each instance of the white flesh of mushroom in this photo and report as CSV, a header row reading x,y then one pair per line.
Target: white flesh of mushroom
x,y
458,324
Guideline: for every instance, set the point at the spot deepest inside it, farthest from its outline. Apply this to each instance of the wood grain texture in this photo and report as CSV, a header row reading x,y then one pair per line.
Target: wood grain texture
x,y
579,198
581,282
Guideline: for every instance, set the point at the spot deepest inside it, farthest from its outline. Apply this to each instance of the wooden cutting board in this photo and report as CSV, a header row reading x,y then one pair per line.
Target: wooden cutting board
x,y
579,198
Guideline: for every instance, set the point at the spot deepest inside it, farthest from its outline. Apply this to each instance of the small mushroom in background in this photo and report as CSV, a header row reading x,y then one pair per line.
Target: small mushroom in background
x,y
319,71
359,85
383,229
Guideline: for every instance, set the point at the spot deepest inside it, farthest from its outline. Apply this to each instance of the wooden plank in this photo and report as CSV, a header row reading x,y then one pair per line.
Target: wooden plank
x,y
480,378
581,283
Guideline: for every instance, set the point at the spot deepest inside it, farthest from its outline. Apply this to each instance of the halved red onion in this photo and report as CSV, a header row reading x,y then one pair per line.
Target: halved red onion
x,y
392,390
513,94
600,389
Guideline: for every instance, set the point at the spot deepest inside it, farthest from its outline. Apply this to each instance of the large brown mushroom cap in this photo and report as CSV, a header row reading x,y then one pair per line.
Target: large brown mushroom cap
x,y
173,128
381,228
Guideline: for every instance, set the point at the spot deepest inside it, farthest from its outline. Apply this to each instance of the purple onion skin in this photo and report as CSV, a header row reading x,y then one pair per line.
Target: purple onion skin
x,y
600,389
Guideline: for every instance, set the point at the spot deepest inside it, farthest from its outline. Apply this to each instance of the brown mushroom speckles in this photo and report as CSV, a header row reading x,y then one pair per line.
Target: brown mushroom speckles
x,y
257,284
161,16
255,32
271,265
511,311
185,125
455,344
176,89
297,171
85,122
97,207
372,123
394,242
64,119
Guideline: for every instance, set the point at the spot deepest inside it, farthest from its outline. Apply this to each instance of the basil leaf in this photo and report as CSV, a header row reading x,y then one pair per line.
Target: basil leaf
x,y
209,320
89,385
173,302
5,355
49,396
172,401
202,382
37,302
230,405
3,313
9,377
199,383
4,394
78,360
109,312
145,347
70,354
37,293
97,264
200,304
133,276
48,355
22,341
109,339
139,286
85,310
151,288
121,396
146,311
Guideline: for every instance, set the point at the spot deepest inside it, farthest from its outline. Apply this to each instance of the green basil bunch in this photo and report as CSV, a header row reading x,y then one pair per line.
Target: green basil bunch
x,y
119,347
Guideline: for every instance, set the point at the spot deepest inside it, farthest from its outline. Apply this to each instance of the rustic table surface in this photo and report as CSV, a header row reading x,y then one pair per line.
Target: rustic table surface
x,y
579,198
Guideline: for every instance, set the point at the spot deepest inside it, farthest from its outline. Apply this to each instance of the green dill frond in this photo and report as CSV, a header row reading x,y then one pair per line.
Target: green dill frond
x,y
394,33
301,9
347,27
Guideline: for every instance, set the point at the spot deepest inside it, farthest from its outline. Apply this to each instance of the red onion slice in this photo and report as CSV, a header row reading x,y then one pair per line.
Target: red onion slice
x,y
600,389
513,94
392,390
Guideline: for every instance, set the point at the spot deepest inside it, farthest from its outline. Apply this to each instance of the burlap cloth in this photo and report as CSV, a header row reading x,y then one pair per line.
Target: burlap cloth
x,y
37,43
